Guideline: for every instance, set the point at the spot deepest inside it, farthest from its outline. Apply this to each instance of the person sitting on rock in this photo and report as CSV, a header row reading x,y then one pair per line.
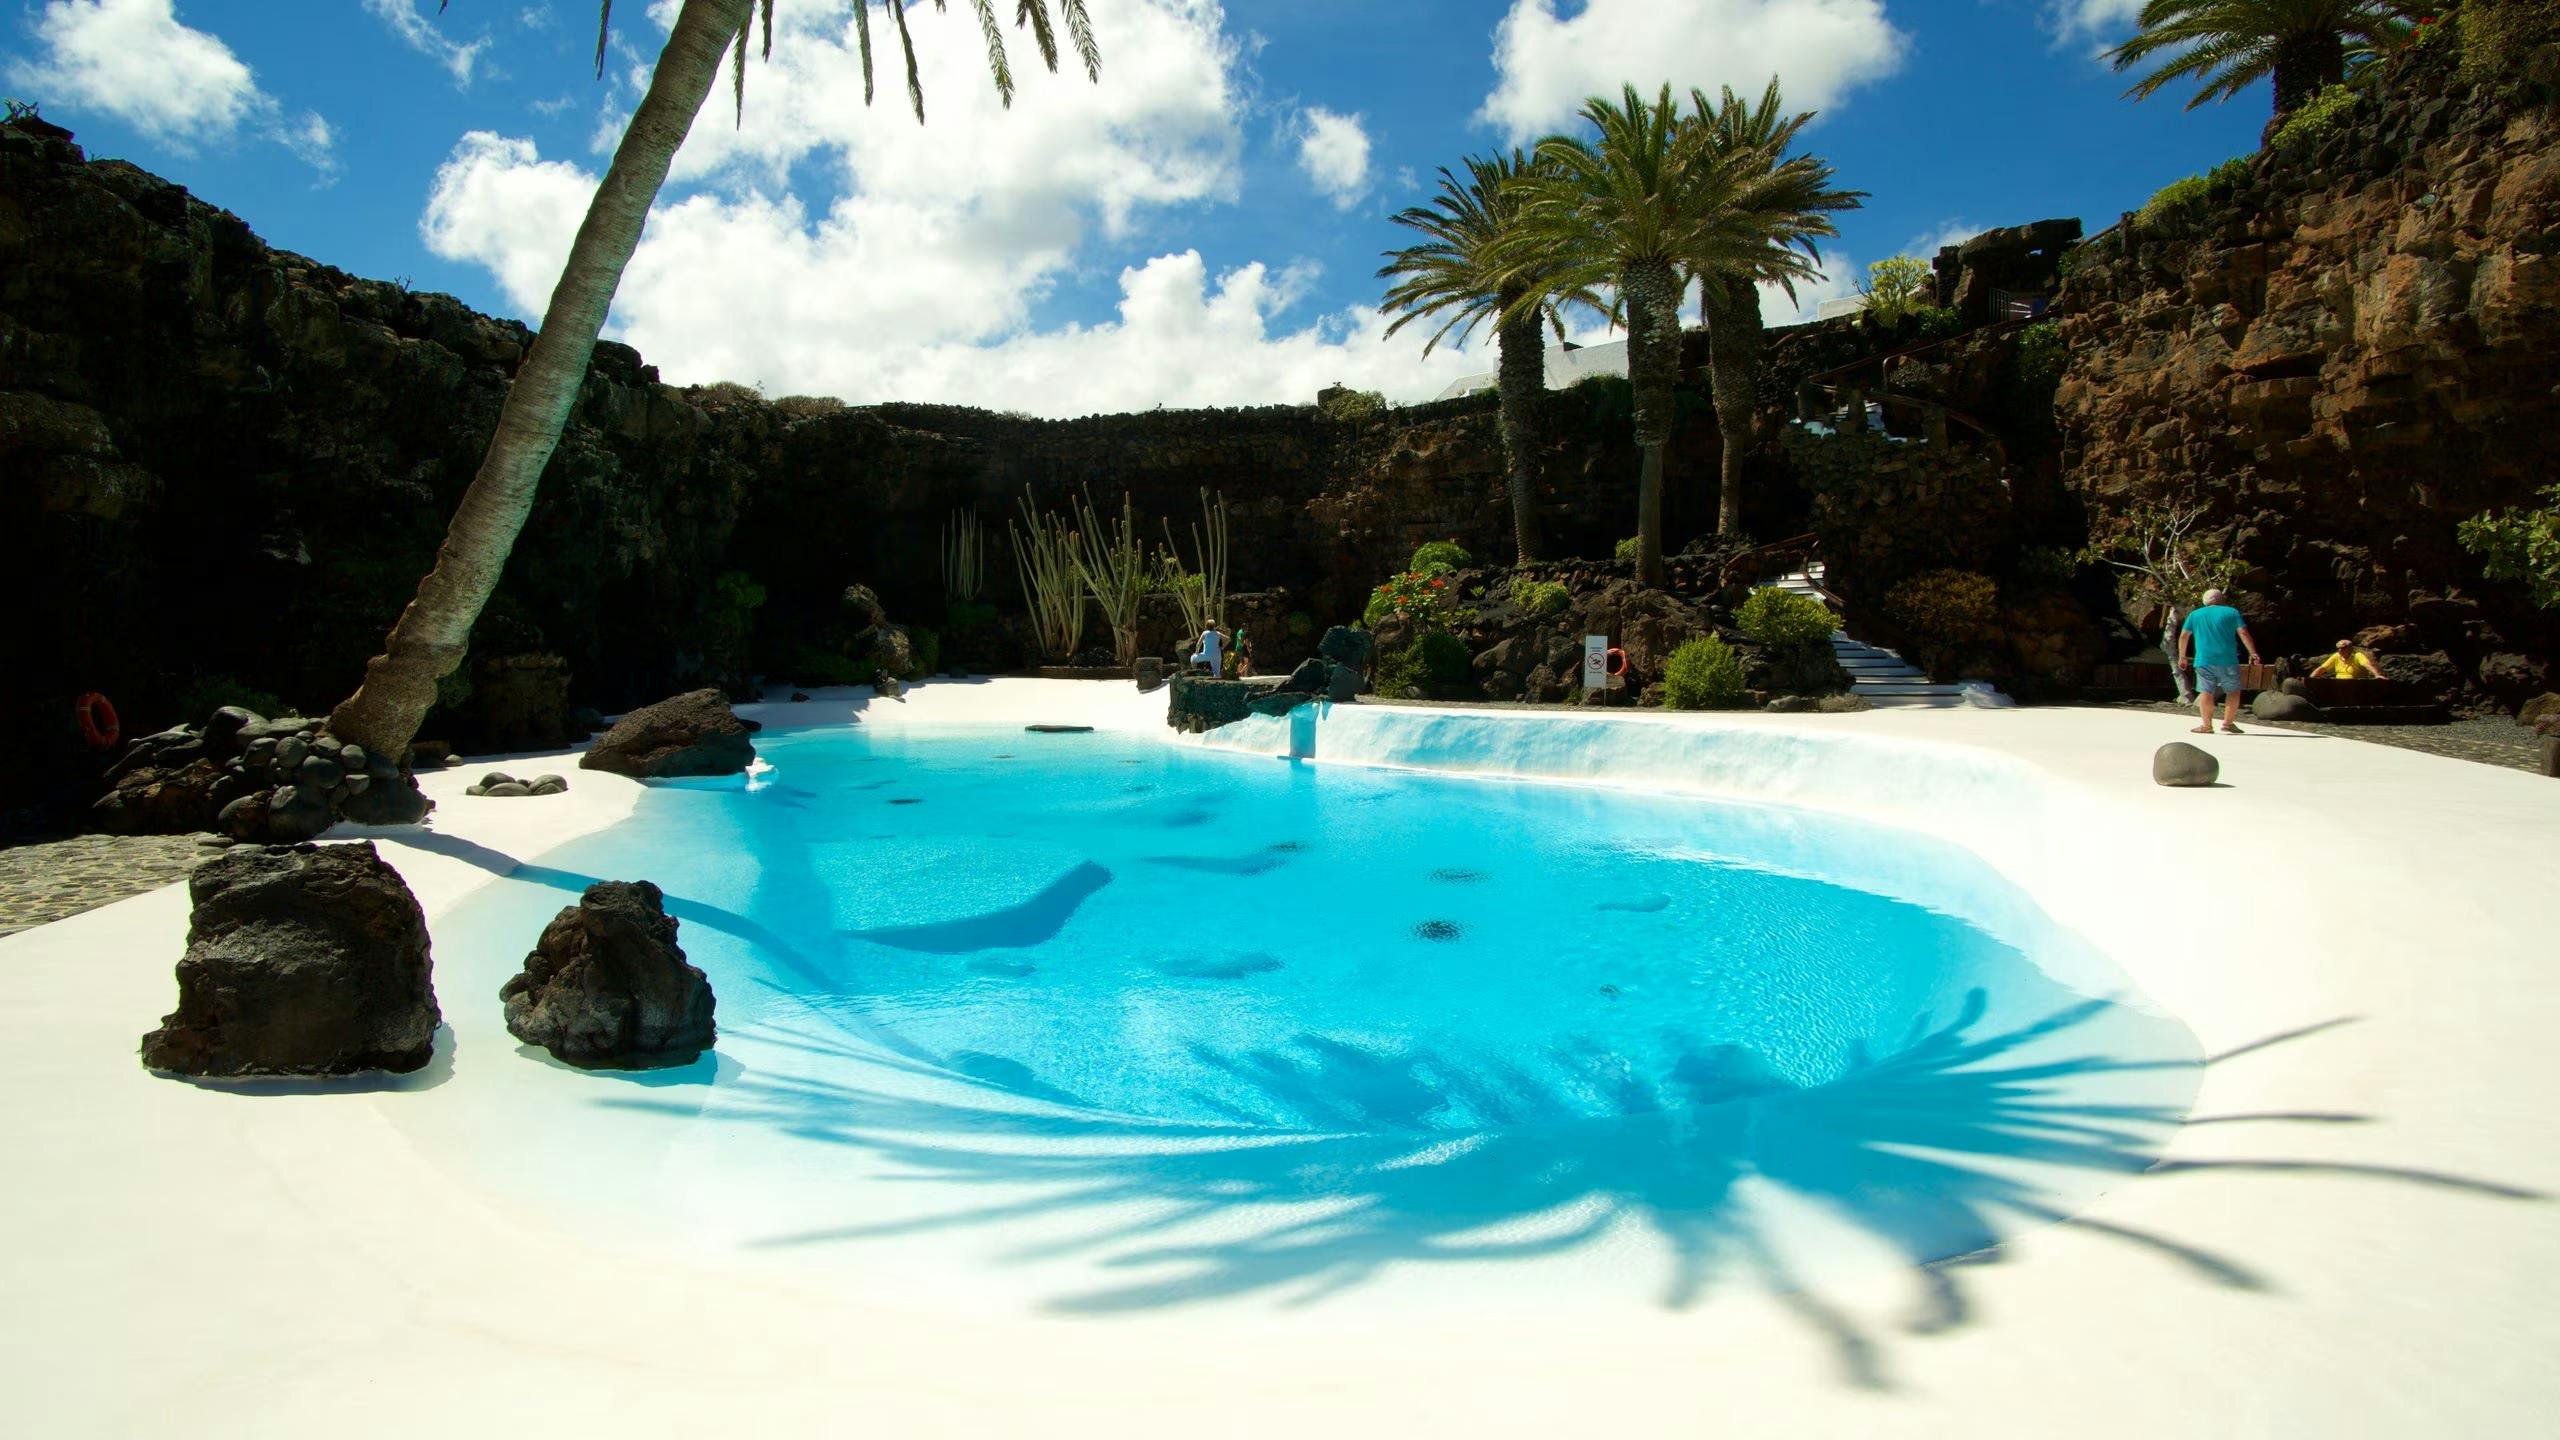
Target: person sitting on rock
x,y
1244,654
2350,663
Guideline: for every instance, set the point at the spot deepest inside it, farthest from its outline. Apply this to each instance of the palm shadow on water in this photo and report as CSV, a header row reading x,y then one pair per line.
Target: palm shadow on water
x,y
1342,1161
1338,1161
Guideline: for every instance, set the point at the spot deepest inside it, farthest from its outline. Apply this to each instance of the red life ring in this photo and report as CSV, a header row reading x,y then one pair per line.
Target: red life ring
x,y
98,723
1617,662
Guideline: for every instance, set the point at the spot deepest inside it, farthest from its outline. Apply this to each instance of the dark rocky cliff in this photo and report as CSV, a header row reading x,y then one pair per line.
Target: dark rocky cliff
x,y
2341,358
223,462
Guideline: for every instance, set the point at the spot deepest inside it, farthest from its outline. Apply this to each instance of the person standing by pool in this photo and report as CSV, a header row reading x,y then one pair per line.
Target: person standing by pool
x,y
2211,639
1210,655
1244,654
2181,674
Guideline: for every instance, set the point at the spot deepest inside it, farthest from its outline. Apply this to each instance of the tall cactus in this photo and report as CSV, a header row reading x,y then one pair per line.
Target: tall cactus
x,y
964,557
1114,564
1044,555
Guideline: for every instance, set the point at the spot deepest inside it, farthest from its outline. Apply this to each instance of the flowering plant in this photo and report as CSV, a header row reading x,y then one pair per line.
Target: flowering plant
x,y
1416,595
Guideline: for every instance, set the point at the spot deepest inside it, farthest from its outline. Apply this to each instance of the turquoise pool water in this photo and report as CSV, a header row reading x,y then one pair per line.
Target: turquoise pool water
x,y
1132,977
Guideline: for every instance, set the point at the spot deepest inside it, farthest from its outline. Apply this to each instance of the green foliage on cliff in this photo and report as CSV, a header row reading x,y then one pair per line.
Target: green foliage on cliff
x,y
213,692
1540,599
1946,607
1705,674
2040,358
2521,546
2500,36
1441,555
2180,203
1627,549
2324,113
1352,405
1897,288
1783,618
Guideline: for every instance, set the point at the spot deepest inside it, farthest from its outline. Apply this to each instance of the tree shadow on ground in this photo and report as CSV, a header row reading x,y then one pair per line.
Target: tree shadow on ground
x,y
1342,1161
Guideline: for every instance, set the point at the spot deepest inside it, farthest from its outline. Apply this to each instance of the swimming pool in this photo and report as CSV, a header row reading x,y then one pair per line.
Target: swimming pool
x,y
1131,1023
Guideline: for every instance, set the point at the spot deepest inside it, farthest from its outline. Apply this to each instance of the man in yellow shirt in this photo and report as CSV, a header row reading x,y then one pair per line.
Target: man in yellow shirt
x,y
2350,663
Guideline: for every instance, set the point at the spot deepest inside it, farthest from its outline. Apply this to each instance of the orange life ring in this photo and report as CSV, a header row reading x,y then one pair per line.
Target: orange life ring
x,y
1617,662
98,723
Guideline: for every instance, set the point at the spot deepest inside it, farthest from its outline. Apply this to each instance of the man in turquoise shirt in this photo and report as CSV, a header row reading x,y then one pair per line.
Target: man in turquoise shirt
x,y
2211,640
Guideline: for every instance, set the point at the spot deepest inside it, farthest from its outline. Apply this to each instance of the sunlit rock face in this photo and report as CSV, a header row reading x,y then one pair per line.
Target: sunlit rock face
x,y
2345,357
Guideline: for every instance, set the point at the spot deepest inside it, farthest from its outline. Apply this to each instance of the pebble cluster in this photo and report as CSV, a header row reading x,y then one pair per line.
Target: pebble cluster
x,y
498,784
285,780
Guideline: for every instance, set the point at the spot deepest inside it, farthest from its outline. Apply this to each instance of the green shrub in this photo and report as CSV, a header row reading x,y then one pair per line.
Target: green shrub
x,y
727,392
1612,399
2047,565
2040,357
1781,618
806,407
2173,203
1898,288
1540,599
1628,548
1938,322
971,614
1299,625
1442,555
1423,596
1353,405
928,647
1435,663
1946,607
2318,116
1705,674
212,692
2499,36
2521,546
2230,175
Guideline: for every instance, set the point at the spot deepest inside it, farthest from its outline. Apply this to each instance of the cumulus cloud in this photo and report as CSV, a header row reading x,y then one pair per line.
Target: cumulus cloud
x,y
917,274
421,33
1333,150
135,60
2094,20
1547,63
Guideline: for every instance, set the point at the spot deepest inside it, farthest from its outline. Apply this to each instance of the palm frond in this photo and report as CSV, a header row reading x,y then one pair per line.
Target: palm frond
x,y
906,42
1035,14
1080,31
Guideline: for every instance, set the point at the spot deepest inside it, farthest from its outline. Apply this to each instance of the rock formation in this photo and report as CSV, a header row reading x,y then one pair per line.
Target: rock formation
x,y
607,988
690,734
301,960
2342,359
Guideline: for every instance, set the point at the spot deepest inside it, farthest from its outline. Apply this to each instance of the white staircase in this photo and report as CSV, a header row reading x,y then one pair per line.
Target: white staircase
x,y
1886,679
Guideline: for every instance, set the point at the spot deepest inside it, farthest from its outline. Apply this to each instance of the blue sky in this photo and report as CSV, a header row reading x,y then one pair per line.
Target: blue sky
x,y
1202,227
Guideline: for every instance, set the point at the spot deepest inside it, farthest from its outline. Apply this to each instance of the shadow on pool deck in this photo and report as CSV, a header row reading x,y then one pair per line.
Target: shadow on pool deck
x,y
1920,1150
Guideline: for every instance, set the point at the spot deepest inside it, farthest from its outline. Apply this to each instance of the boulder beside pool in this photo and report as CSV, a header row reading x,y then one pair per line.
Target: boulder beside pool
x,y
691,734
301,960
2183,766
2276,706
607,987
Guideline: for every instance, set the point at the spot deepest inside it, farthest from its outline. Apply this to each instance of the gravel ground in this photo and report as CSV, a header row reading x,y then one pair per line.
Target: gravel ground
x,y
53,879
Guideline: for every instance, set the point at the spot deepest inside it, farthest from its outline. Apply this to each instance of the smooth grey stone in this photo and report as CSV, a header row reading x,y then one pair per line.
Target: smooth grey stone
x,y
2183,766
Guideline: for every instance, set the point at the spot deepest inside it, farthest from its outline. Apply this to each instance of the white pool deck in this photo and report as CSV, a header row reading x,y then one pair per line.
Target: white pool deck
x,y
2354,1237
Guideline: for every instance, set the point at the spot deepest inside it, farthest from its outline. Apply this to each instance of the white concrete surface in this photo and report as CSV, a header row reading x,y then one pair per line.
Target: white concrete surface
x,y
2352,1238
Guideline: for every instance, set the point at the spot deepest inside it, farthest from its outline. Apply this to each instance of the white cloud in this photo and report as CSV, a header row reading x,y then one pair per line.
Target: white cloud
x,y
919,279
1547,64
421,33
2101,20
133,59
1334,151
1927,244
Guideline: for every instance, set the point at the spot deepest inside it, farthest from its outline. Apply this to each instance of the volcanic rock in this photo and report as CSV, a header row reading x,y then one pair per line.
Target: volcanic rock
x,y
691,734
607,988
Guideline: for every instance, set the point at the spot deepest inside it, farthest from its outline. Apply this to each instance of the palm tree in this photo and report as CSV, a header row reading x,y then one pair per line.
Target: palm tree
x,y
433,633
1635,208
1457,274
2229,45
1793,200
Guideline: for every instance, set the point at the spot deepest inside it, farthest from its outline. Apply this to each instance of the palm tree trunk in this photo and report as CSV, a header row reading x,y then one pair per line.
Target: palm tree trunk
x,y
434,632
2305,66
1652,291
1733,350
1522,382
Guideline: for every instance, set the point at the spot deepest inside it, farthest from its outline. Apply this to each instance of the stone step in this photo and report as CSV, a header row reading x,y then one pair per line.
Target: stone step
x,y
1906,687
